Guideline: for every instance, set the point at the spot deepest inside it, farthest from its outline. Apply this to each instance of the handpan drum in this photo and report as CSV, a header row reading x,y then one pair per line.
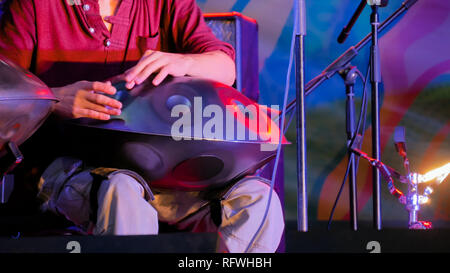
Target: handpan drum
x,y
187,134
25,103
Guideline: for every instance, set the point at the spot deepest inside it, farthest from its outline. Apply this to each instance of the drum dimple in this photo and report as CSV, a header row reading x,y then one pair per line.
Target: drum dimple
x,y
176,100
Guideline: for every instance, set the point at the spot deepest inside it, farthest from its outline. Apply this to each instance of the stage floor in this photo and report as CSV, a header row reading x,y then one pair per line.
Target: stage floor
x,y
340,239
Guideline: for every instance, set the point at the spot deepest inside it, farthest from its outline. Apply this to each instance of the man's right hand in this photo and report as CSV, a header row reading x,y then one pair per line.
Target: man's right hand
x,y
85,99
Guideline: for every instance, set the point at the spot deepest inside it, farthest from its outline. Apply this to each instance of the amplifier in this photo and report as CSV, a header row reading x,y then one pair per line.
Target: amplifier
x,y
242,33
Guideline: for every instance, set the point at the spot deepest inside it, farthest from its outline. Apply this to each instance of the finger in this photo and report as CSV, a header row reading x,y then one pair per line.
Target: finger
x,y
161,76
121,78
131,74
88,113
103,109
130,85
104,87
150,69
103,100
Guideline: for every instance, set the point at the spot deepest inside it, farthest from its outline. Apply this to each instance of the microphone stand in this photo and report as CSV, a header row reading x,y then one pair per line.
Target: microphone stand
x,y
303,90
375,80
350,75
349,55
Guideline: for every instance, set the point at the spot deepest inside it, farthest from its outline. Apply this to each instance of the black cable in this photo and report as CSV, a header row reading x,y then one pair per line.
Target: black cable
x,y
280,144
364,115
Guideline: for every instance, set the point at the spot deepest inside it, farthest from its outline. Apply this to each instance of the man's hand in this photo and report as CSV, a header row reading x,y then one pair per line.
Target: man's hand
x,y
84,99
162,63
214,65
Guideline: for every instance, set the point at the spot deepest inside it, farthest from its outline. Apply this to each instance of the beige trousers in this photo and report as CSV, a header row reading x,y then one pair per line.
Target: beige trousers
x,y
123,210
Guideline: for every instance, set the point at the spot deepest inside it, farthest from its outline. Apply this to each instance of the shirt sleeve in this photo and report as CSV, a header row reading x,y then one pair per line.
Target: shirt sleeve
x,y
191,33
18,32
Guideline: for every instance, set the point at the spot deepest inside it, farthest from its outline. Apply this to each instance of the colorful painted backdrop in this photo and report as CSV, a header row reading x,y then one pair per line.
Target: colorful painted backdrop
x,y
415,57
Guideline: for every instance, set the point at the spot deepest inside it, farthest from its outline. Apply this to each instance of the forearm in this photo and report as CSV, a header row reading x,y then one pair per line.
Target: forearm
x,y
214,65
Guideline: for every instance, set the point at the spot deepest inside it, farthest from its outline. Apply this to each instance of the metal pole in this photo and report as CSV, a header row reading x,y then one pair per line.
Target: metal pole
x,y
302,201
375,81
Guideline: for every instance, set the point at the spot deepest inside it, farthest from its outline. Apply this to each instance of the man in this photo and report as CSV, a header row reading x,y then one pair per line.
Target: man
x,y
74,47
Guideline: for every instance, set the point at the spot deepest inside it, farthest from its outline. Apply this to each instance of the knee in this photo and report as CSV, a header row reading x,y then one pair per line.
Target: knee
x,y
123,184
244,209
253,194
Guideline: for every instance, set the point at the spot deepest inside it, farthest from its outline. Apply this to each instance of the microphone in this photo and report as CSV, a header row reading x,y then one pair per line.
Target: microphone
x,y
399,140
346,30
381,3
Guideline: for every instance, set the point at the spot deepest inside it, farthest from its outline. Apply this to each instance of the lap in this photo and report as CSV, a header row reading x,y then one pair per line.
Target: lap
x,y
181,210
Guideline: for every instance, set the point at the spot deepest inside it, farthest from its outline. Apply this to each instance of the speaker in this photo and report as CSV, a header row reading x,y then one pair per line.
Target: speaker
x,y
242,33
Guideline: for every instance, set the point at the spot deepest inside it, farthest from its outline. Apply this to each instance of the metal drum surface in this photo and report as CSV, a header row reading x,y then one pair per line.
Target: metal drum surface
x,y
25,103
186,134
